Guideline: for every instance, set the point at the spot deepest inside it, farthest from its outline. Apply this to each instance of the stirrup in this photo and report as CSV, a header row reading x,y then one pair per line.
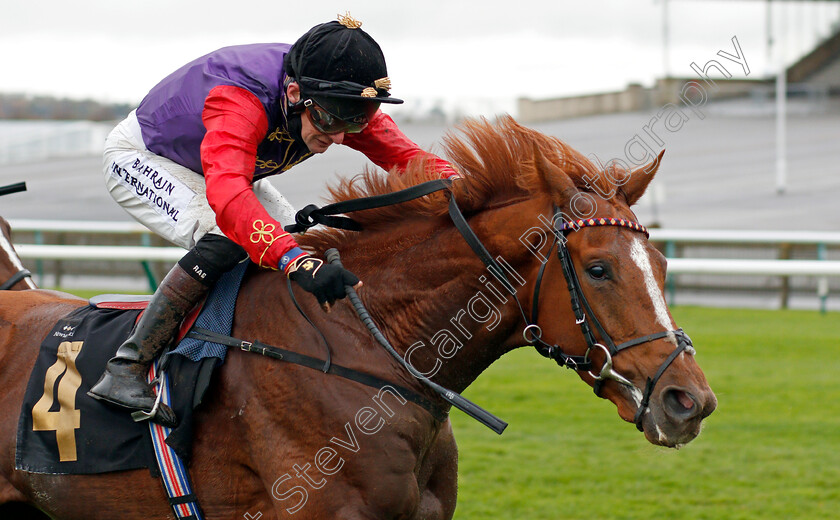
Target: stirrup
x,y
167,416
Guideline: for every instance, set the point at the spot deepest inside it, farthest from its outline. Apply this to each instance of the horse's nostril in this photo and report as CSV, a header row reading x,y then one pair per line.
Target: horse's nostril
x,y
680,403
685,400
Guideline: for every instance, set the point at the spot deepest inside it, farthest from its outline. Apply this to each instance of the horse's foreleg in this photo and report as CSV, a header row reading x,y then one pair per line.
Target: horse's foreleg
x,y
438,496
14,505
21,511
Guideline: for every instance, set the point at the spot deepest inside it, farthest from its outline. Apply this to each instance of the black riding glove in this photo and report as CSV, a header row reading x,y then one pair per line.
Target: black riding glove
x,y
325,281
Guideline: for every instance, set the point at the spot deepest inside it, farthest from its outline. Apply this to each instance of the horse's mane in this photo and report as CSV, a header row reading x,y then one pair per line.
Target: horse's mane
x,y
496,160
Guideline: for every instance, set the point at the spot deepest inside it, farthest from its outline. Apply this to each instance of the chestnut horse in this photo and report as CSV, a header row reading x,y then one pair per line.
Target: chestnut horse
x,y
13,275
277,440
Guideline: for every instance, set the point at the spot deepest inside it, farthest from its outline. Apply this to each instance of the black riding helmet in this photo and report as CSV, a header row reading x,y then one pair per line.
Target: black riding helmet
x,y
341,68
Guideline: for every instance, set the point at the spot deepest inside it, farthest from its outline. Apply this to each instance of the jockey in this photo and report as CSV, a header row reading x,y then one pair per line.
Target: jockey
x,y
190,163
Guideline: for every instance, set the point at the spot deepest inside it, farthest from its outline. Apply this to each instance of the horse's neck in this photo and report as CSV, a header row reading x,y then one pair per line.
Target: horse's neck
x,y
436,301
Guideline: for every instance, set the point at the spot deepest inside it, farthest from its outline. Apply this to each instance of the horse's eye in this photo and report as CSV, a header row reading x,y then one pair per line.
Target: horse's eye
x,y
597,272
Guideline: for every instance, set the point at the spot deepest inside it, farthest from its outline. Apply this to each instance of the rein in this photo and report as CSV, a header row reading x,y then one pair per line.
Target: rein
x,y
17,277
312,215
453,398
12,188
317,364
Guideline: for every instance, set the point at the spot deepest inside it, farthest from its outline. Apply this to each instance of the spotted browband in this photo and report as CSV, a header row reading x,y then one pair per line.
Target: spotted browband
x,y
574,225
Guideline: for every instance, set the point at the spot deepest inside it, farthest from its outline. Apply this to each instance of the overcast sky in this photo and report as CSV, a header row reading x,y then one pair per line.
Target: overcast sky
x,y
480,55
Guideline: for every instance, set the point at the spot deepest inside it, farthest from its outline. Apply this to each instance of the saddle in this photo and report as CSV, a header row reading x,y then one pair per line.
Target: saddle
x,y
62,430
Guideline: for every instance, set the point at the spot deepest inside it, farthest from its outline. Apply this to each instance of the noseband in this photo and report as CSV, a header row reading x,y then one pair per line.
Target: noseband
x,y
17,277
584,316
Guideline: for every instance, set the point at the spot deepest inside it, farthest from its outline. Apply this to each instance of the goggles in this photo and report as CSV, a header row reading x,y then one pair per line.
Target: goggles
x,y
328,121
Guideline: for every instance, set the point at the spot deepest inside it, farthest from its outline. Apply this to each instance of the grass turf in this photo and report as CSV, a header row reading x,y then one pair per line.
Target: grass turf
x,y
771,450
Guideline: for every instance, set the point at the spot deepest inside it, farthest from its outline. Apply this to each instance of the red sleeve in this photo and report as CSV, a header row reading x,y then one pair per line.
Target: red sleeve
x,y
384,144
236,123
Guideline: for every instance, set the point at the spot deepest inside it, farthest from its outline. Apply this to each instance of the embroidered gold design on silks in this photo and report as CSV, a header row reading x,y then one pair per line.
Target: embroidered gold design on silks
x,y
369,92
308,265
383,83
281,134
348,21
270,164
264,232
302,157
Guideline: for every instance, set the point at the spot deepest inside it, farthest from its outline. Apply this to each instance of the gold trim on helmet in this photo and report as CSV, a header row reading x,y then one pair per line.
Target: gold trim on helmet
x,y
348,21
383,83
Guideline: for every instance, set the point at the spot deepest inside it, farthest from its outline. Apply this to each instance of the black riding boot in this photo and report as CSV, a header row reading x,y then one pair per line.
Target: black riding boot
x,y
124,381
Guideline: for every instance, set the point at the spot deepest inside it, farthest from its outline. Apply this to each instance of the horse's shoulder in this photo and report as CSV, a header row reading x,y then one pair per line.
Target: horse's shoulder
x,y
51,296
20,305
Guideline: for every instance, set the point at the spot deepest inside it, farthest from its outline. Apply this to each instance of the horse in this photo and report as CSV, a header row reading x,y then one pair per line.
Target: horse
x,y
274,439
13,276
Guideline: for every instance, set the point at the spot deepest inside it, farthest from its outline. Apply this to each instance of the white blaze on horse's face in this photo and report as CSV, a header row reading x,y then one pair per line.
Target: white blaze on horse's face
x,y
640,256
9,252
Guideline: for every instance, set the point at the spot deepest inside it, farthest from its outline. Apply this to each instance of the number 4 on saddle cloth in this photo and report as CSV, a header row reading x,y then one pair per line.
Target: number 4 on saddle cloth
x,y
64,431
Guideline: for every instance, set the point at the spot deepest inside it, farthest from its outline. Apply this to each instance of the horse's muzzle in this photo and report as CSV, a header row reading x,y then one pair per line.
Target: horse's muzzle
x,y
676,413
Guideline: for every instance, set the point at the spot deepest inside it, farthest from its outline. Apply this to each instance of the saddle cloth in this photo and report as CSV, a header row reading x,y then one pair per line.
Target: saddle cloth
x,y
62,430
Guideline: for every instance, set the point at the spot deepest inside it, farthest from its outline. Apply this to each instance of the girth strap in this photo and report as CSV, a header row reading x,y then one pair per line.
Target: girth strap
x,y
318,364
185,499
174,472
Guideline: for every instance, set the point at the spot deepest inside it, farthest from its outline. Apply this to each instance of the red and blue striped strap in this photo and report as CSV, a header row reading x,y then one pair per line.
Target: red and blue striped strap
x,y
173,471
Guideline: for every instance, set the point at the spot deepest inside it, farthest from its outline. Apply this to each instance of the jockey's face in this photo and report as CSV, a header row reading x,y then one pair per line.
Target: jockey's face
x,y
315,140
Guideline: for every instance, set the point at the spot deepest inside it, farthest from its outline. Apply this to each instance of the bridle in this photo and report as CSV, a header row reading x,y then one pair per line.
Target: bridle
x,y
581,308
312,215
584,316
17,277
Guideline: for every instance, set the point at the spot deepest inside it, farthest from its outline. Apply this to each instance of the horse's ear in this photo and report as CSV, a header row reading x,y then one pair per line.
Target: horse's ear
x,y
639,180
557,183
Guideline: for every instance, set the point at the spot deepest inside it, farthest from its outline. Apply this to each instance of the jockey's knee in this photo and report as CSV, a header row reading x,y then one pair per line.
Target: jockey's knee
x,y
211,257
